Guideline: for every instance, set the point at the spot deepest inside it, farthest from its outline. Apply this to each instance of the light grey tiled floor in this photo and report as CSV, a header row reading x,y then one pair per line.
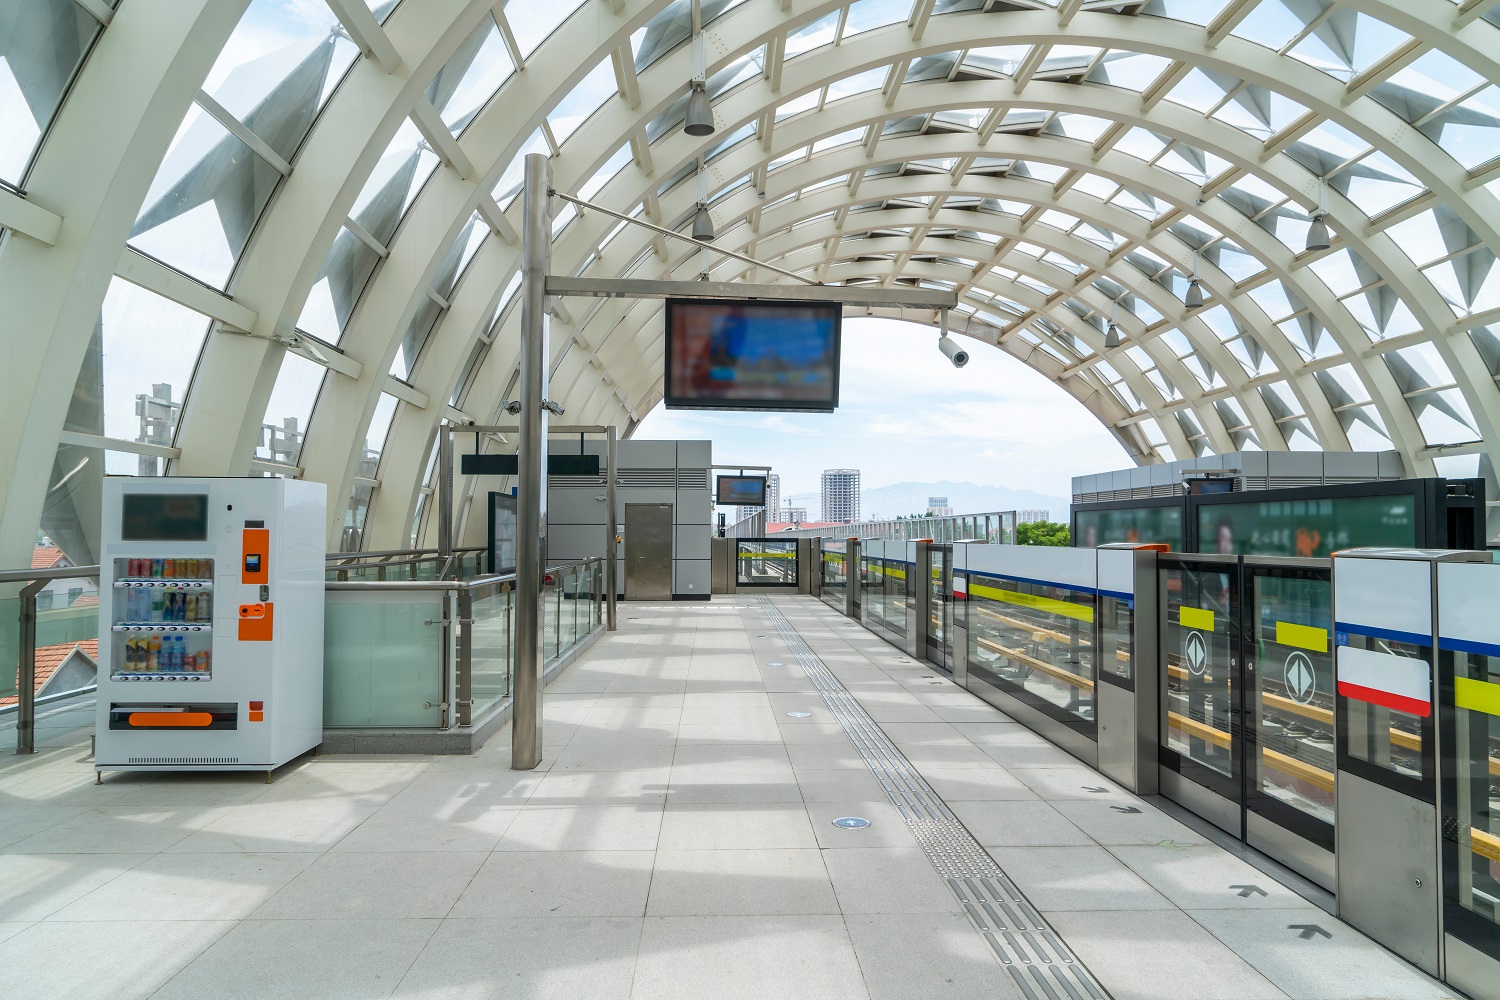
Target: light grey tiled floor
x,y
676,844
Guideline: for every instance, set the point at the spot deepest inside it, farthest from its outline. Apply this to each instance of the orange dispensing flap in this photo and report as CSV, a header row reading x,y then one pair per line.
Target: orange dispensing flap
x,y
255,622
255,564
174,720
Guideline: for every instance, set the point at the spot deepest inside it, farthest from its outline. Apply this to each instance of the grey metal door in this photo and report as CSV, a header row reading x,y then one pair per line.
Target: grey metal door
x,y
648,552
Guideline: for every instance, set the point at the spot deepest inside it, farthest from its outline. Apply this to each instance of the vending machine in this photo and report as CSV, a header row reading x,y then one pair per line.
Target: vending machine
x,y
210,624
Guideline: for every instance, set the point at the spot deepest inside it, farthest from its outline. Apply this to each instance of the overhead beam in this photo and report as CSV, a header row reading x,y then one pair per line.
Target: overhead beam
x,y
138,269
366,32
856,295
28,218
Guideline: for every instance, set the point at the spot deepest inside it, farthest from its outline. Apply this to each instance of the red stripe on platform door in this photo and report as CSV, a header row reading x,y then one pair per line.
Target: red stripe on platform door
x,y
1386,699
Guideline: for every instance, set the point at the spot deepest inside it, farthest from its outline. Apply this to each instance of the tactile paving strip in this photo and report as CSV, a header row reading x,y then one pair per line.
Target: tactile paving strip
x,y
1030,950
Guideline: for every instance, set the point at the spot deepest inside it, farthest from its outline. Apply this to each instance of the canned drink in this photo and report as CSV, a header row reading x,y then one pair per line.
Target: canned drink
x,y
192,567
192,608
200,660
156,569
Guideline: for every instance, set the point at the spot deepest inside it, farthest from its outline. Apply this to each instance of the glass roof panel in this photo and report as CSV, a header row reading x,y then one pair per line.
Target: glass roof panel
x,y
859,83
205,200
140,360
531,22
42,44
583,100
1132,70
509,185
278,67
812,36
289,409
866,15
471,76
1347,43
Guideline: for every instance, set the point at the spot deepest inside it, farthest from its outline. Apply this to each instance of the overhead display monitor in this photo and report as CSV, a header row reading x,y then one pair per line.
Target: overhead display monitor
x,y
752,355
742,491
502,531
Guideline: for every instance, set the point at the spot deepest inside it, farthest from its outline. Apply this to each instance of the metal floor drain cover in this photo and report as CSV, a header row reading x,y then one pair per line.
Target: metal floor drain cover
x,y
799,715
774,663
851,822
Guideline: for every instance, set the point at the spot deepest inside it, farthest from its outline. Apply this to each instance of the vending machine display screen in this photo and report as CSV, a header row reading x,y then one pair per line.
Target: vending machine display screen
x,y
163,517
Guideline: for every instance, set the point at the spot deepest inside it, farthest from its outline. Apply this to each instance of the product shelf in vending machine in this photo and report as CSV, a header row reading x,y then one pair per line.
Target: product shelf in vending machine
x,y
199,667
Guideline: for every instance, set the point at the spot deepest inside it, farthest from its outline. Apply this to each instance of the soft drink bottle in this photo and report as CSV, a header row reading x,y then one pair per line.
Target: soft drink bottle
x,y
153,654
156,568
191,615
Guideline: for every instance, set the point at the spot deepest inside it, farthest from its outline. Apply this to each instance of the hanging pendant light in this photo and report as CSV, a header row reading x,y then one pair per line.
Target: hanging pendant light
x,y
1195,294
1112,338
700,113
703,223
1317,233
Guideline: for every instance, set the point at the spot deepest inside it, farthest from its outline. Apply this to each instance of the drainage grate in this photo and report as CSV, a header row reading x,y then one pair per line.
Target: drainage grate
x,y
1030,950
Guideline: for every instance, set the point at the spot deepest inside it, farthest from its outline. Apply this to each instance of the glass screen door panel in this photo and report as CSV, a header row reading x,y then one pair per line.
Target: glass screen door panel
x,y
940,606
1200,724
1289,681
1471,799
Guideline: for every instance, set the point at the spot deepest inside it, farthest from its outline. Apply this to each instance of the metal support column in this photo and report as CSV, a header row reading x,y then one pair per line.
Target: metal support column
x,y
612,533
531,506
26,670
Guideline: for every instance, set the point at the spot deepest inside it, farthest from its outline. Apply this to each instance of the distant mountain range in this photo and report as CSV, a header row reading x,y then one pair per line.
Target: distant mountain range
x,y
964,498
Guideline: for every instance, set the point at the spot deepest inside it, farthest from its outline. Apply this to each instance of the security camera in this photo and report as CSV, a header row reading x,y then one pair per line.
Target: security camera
x,y
956,354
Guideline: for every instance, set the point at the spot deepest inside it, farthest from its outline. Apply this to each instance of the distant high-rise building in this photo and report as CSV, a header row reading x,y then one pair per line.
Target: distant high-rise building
x,y
1032,515
773,496
938,507
792,515
841,496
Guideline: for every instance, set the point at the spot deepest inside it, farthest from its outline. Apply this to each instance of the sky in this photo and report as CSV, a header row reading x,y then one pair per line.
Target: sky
x,y
907,415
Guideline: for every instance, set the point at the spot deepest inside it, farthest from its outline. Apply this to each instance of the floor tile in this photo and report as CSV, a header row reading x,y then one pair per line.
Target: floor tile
x,y
535,959
690,958
125,960
1159,955
278,826
516,884
749,882
34,886
584,828
1077,878
887,828
735,826
974,784
303,960
947,961
706,786
189,887
120,829
1344,966
888,880
1202,877
1018,824
398,885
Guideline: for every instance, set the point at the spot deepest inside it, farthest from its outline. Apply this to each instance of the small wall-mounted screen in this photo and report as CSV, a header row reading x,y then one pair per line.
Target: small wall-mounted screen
x,y
502,533
752,355
163,517
742,491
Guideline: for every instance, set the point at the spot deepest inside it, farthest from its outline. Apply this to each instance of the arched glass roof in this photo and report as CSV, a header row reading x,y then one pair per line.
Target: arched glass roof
x,y
279,237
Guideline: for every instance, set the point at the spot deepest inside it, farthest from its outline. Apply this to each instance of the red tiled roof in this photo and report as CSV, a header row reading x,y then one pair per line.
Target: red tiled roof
x,y
86,601
49,658
45,556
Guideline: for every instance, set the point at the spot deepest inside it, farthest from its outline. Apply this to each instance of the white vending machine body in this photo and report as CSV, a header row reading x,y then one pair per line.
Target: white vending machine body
x,y
211,624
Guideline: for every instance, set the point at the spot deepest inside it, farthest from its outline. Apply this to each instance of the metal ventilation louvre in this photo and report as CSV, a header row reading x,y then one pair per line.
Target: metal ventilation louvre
x,y
184,760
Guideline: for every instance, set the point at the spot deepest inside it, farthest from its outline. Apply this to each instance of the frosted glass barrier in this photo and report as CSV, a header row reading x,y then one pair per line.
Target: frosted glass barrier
x,y
491,648
381,664
10,645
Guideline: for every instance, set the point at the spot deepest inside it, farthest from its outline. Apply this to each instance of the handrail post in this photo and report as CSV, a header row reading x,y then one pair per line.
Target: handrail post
x,y
26,671
465,693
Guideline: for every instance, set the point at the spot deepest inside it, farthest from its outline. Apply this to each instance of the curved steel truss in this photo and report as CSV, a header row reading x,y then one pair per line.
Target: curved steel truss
x,y
278,236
